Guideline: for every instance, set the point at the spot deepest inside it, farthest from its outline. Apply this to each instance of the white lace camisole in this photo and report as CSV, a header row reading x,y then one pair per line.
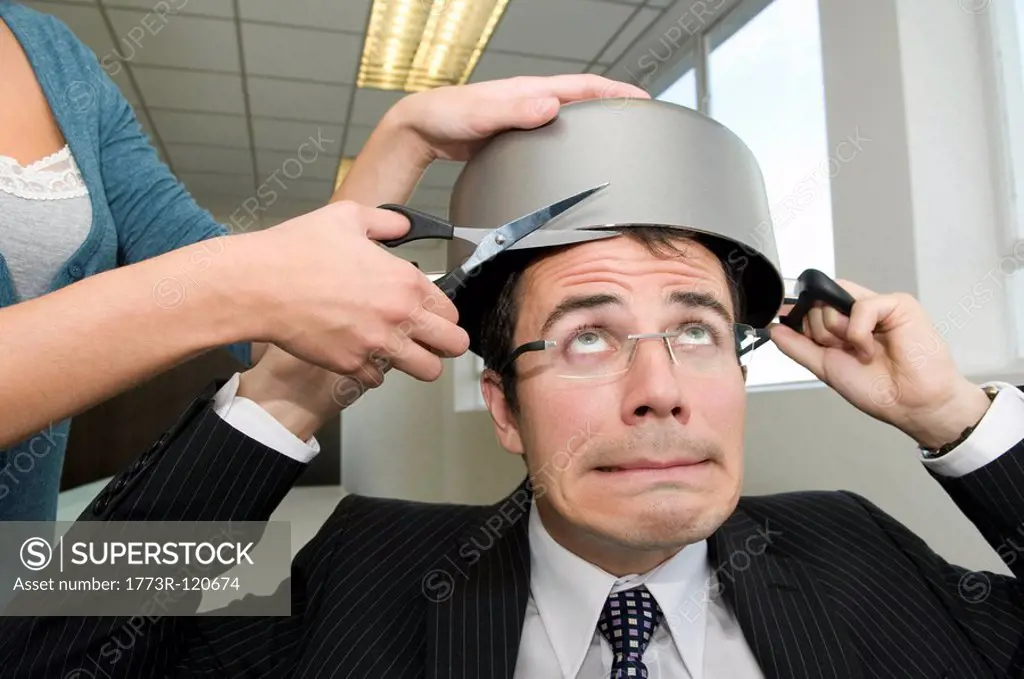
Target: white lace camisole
x,y
45,216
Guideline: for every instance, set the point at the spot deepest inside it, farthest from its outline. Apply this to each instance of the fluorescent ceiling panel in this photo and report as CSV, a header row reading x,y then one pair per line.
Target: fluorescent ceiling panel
x,y
416,45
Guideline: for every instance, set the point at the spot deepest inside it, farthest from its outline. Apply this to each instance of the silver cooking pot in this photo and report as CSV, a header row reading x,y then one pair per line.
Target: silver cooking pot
x,y
665,165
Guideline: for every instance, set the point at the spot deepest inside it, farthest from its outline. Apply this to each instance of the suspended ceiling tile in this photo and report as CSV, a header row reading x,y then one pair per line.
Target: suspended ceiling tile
x,y
356,137
210,159
304,189
180,41
290,167
240,186
201,128
220,205
299,100
370,105
348,15
205,92
214,8
569,29
498,65
301,53
640,22
279,135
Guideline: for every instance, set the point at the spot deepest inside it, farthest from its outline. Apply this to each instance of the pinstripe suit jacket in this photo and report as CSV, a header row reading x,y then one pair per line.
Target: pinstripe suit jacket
x,y
823,584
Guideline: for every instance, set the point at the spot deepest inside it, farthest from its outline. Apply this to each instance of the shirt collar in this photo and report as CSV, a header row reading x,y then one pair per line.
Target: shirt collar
x,y
570,593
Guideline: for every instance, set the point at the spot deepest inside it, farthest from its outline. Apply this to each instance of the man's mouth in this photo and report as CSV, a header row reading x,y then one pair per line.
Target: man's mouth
x,y
651,465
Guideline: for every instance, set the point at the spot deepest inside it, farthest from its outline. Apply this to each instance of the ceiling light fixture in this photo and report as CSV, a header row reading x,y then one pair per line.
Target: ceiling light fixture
x,y
416,45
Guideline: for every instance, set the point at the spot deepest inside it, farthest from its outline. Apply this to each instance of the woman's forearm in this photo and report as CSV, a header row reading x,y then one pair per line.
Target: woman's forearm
x,y
66,351
387,168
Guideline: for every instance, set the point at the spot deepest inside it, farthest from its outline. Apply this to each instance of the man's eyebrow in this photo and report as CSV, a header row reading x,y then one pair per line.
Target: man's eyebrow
x,y
701,300
577,303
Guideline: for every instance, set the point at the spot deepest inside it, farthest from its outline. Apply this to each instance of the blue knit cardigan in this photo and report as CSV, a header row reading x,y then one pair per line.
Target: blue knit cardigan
x,y
139,210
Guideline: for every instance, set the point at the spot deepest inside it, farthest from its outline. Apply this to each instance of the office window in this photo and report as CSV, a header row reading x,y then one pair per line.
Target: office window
x,y
1020,31
1007,23
1004,20
683,91
1014,105
1018,146
765,83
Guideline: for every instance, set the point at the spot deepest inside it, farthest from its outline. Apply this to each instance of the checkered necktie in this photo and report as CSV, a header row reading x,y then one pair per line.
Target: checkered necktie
x,y
628,622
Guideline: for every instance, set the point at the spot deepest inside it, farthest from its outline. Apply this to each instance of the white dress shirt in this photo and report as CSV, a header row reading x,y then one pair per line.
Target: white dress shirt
x,y
699,637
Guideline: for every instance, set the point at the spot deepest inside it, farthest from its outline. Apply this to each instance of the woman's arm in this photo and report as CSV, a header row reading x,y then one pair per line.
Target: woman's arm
x,y
318,286
66,351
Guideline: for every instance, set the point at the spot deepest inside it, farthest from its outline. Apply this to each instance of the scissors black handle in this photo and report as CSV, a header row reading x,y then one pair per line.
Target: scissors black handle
x,y
451,282
421,225
814,286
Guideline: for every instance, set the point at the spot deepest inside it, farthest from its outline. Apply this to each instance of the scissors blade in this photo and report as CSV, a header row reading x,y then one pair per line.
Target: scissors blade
x,y
506,236
541,238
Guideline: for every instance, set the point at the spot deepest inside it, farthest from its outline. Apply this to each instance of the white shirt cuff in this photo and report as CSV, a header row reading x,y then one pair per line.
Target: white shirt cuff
x,y
256,423
1001,429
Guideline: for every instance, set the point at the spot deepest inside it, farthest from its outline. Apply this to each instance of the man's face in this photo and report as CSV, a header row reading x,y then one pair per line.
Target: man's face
x,y
649,458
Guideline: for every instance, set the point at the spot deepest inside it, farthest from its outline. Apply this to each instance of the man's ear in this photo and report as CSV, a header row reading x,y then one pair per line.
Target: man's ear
x,y
506,426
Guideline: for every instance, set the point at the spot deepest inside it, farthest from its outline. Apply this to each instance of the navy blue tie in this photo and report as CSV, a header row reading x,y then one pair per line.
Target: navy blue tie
x,y
628,622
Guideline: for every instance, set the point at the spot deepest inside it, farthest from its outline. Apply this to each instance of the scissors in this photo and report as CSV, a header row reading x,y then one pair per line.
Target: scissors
x,y
423,225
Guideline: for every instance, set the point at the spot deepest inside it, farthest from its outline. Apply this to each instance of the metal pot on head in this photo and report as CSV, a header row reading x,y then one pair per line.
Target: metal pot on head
x,y
665,165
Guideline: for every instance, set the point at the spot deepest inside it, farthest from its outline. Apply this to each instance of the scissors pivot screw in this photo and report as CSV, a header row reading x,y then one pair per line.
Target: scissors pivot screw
x,y
499,239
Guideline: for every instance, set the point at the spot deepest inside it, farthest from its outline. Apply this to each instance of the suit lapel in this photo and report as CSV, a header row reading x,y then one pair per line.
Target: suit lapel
x,y
782,611
478,593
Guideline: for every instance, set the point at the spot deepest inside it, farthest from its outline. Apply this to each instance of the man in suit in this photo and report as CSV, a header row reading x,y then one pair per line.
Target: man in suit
x,y
627,550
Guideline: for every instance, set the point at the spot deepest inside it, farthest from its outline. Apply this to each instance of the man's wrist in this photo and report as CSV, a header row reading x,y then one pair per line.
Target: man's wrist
x,y
946,424
287,401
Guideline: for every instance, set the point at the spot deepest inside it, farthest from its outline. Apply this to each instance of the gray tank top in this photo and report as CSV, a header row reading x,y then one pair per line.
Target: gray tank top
x,y
45,216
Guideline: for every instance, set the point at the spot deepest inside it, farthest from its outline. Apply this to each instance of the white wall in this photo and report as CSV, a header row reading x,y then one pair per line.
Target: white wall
x,y
916,211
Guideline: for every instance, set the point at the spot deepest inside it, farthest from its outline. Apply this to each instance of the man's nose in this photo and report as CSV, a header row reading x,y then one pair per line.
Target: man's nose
x,y
653,387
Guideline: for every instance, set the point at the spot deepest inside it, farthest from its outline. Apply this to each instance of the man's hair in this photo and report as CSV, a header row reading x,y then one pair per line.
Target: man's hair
x,y
499,321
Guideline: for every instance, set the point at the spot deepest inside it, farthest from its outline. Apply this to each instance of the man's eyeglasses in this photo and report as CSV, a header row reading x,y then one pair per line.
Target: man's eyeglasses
x,y
596,351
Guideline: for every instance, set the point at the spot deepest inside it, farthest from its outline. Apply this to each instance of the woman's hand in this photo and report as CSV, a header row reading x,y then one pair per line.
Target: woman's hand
x,y
455,122
322,289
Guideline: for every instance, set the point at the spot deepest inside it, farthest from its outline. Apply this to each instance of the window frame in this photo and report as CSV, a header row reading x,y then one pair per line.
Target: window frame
x,y
697,50
1001,24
